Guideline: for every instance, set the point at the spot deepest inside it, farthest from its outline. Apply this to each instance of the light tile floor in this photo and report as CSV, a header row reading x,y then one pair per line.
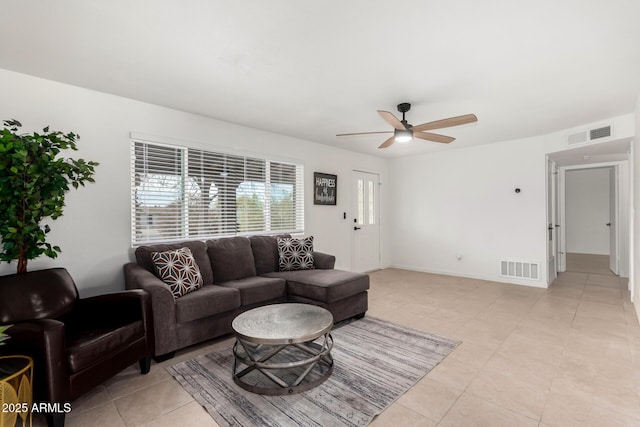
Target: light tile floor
x,y
564,356
588,263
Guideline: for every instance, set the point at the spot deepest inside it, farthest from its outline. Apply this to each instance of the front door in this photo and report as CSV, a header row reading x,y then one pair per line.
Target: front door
x,y
366,221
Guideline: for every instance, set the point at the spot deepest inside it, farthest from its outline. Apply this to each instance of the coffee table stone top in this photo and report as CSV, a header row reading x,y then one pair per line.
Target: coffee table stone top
x,y
282,324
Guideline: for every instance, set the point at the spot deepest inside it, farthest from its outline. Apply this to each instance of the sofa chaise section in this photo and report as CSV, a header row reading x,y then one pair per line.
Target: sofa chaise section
x,y
343,293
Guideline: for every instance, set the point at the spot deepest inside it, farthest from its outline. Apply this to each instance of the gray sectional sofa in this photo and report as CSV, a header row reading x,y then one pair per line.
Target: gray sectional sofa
x,y
239,273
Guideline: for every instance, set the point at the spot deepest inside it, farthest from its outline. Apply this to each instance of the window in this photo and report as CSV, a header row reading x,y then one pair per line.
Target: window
x,y
366,202
178,193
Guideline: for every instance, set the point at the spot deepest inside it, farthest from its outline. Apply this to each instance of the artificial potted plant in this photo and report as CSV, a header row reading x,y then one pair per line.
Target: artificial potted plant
x,y
34,179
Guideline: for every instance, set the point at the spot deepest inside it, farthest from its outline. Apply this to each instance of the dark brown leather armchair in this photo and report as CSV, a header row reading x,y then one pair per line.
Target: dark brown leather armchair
x,y
76,343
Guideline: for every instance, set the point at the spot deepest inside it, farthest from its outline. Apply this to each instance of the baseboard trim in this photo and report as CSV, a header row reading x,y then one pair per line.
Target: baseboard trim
x,y
533,284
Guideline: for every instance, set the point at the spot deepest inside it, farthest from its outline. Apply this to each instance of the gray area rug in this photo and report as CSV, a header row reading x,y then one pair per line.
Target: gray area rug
x,y
375,362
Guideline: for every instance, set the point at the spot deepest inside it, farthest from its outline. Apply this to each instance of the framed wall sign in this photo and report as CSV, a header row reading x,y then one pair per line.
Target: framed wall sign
x,y
324,186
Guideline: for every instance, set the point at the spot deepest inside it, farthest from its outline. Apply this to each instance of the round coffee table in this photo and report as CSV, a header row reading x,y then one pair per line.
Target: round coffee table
x,y
282,348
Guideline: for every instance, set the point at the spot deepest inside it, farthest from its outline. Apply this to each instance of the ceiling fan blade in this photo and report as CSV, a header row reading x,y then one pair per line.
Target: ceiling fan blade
x,y
388,142
433,137
391,119
364,133
445,123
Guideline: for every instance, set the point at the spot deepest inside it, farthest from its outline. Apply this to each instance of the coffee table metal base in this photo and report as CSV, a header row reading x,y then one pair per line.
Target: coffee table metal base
x,y
282,368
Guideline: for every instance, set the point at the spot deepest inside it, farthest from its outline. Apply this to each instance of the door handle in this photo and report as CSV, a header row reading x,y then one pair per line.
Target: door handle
x,y
608,224
357,228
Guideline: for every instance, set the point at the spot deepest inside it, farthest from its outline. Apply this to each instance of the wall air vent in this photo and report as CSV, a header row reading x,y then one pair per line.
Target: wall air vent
x,y
602,132
589,135
577,138
520,269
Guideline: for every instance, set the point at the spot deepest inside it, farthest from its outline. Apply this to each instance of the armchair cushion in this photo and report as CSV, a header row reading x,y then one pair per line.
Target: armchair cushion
x,y
91,345
179,270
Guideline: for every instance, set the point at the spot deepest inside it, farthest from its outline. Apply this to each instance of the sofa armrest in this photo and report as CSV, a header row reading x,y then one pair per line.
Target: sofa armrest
x,y
323,261
44,341
162,304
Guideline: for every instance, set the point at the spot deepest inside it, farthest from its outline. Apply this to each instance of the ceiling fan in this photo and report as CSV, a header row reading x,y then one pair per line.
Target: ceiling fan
x,y
405,132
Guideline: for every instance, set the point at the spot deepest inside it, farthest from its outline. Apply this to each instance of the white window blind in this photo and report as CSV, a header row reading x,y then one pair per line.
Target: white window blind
x,y
179,193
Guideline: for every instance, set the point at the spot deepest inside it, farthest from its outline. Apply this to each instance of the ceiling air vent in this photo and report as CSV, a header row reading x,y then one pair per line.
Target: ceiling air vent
x,y
589,135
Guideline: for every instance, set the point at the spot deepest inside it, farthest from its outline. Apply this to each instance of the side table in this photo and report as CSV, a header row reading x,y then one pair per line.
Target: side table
x,y
16,379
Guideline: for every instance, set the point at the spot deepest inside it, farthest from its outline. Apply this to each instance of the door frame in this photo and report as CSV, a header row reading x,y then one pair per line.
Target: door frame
x,y
563,170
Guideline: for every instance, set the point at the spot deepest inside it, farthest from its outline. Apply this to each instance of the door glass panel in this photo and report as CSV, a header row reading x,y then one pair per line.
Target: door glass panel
x,y
372,211
360,201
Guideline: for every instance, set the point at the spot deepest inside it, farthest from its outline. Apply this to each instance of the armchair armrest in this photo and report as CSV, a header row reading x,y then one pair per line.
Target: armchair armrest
x,y
162,304
44,341
324,261
129,305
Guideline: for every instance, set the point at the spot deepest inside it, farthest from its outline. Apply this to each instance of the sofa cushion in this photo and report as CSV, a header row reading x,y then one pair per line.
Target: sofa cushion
x,y
179,270
231,258
323,285
198,250
295,254
87,347
258,289
206,301
265,252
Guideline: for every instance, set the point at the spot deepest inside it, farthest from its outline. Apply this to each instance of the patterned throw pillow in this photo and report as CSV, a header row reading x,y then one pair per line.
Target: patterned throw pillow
x,y
295,254
179,270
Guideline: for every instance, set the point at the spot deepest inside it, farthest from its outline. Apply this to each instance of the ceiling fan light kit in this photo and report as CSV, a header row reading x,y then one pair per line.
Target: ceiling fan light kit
x,y
403,131
404,135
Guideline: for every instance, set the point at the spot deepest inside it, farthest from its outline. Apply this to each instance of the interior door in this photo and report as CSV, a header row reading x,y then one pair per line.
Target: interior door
x,y
366,221
552,220
557,235
551,263
613,220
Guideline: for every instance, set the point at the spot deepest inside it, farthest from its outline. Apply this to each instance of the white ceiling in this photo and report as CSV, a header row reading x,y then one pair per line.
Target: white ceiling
x,y
314,69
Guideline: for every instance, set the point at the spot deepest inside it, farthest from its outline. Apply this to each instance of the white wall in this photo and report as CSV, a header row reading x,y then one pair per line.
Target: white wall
x,y
462,202
94,232
587,211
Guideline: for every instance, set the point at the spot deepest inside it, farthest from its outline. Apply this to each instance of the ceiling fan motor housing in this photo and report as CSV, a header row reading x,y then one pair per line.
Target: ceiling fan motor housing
x,y
404,107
